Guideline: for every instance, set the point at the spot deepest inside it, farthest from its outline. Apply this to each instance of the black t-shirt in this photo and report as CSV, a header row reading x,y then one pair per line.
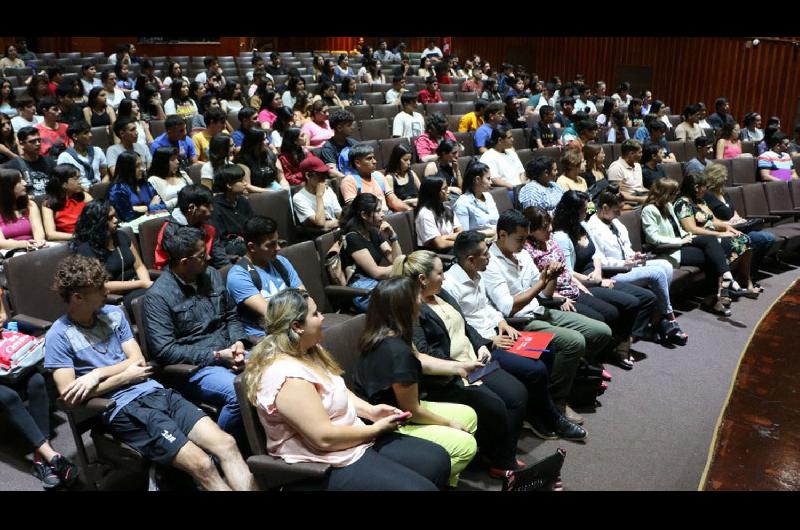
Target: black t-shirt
x,y
330,150
546,133
649,176
118,269
356,242
275,70
392,361
722,211
36,174
72,115
584,263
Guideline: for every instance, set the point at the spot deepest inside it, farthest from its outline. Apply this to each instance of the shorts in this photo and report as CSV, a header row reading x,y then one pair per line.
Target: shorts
x,y
156,424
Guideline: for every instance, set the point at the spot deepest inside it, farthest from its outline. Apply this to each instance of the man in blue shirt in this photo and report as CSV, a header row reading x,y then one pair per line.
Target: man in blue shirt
x,y
247,120
655,131
93,353
494,114
175,136
259,275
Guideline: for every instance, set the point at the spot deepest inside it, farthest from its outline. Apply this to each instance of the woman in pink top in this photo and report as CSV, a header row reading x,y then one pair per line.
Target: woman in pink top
x,y
269,103
309,415
318,130
729,145
20,220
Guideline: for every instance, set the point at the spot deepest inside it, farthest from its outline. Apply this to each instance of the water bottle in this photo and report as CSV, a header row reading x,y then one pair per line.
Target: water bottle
x,y
12,326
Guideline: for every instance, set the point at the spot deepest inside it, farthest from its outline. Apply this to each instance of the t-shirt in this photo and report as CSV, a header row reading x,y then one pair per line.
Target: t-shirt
x,y
391,361
470,122
51,137
115,150
241,287
779,165
18,122
186,150
68,345
505,165
330,150
426,146
36,174
547,133
429,228
305,205
349,189
407,125
317,135
392,95
482,135
686,133
118,269
695,166
628,177
98,161
649,176
355,242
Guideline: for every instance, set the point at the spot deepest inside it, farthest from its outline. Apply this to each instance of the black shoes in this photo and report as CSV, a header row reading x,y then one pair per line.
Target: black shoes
x,y
66,470
567,430
44,472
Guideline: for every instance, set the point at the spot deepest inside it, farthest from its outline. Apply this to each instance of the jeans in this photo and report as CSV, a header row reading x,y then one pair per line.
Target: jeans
x,y
214,385
394,463
760,243
33,422
657,274
362,282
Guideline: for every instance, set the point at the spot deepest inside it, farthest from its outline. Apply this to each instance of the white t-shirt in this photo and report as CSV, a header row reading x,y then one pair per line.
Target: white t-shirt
x,y
18,122
116,98
305,205
408,125
506,166
428,228
98,161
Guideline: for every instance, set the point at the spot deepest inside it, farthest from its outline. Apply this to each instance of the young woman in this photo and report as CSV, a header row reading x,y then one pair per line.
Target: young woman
x,y
220,153
373,73
317,128
301,109
729,145
284,120
131,194
613,249
97,236
11,60
624,307
147,74
371,245
573,164
20,220
595,165
311,416
166,176
326,91
490,91
181,103
328,74
79,96
318,66
343,68
752,131
114,95
8,100
445,166
270,103
426,68
150,105
391,371
97,112
125,80
435,132
476,209
38,88
129,109
64,202
9,147
233,98
541,189
349,94
293,152
402,180
266,171
174,73
294,86
436,225
635,113
231,209
660,110
618,128
604,119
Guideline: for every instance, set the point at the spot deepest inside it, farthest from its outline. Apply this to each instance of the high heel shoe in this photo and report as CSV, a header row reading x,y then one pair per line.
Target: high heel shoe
x,y
672,332
621,355
713,305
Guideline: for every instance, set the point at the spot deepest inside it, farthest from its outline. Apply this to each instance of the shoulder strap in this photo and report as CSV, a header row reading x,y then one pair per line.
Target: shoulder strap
x,y
250,268
88,167
357,178
282,272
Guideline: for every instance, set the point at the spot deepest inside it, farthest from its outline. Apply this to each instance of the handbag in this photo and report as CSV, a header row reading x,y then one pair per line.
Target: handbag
x,y
751,225
586,386
19,354
544,475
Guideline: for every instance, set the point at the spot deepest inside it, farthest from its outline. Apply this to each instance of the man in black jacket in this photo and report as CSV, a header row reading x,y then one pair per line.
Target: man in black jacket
x,y
190,319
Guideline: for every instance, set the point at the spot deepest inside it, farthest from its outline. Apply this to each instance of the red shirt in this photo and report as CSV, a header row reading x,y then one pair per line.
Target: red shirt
x,y
444,80
51,137
426,97
162,258
291,171
66,217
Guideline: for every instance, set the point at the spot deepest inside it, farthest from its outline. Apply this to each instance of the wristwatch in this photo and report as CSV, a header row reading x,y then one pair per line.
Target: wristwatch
x,y
393,238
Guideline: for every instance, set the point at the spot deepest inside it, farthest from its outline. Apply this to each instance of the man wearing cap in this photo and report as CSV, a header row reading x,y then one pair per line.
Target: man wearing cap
x,y
316,204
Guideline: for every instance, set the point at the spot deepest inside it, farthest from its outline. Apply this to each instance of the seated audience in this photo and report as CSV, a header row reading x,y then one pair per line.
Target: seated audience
x,y
652,170
365,179
722,115
445,165
436,226
472,120
175,136
292,154
98,112
544,133
705,152
247,120
541,189
215,124
181,102
435,133
315,204
26,114
689,129
475,209
265,170
220,153
400,178
573,164
752,131
125,129
729,145
166,176
130,193
398,89
20,220
431,92
88,159
231,209
618,128
318,128
626,172
65,199
341,123
504,163
493,116
408,123
34,167
595,174
52,131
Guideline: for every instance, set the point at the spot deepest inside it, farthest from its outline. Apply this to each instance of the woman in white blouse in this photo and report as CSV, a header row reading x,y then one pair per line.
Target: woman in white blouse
x,y
504,163
476,209
166,176
436,225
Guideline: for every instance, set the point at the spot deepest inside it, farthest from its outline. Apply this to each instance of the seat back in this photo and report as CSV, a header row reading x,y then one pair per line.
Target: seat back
x,y
342,341
101,137
304,258
195,171
100,190
778,197
361,112
442,107
148,239
256,437
736,195
385,110
462,107
376,129
632,220
137,308
674,171
403,225
743,171
277,205
501,199
387,145
755,200
30,277
794,188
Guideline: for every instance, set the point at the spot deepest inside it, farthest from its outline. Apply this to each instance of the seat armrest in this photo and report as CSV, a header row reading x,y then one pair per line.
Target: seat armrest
x,y
343,291
659,249
179,371
85,411
784,213
518,322
113,299
612,271
591,283
38,325
154,274
273,472
766,217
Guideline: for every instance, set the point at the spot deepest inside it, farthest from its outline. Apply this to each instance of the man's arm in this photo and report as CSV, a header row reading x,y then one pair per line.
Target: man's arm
x,y
161,335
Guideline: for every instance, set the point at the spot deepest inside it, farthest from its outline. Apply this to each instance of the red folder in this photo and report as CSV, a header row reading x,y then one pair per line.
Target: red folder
x,y
531,343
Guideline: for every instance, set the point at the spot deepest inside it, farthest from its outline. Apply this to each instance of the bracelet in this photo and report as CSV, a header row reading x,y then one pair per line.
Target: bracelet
x,y
217,355
393,238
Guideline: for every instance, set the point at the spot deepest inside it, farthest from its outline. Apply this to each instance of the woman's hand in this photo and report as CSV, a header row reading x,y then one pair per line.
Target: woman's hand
x,y
483,355
386,424
464,368
506,329
596,275
568,305
607,283
687,240
503,342
386,230
456,425
377,412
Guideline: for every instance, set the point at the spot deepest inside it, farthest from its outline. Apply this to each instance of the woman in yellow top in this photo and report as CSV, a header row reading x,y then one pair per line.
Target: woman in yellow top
x,y
574,164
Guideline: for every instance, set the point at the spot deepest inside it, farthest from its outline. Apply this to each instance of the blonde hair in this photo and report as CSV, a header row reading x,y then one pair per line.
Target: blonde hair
x,y
571,158
416,263
716,176
285,308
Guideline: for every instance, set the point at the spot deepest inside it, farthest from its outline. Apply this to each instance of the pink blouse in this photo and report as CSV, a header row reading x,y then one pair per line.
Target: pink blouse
x,y
19,230
267,116
731,150
282,440
564,285
318,135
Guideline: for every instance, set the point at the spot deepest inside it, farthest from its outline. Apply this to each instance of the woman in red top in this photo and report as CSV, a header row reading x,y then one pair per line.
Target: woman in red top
x,y
292,153
64,203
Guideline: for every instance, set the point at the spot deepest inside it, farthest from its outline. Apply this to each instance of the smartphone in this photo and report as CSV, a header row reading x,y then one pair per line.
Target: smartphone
x,y
401,418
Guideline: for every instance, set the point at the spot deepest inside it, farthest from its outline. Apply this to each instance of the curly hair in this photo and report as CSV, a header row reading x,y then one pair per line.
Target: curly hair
x,y
76,273
92,227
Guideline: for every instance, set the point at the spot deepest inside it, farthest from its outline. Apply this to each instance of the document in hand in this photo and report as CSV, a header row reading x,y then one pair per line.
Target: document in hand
x,y
532,343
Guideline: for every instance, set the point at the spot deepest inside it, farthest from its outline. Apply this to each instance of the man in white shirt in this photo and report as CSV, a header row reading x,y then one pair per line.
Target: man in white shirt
x,y
125,129
398,89
583,103
463,282
432,51
689,129
316,204
408,123
627,172
513,283
90,160
26,107
88,80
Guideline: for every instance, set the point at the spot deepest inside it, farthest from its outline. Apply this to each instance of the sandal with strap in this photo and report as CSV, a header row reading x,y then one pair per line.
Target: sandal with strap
x,y
673,333
714,305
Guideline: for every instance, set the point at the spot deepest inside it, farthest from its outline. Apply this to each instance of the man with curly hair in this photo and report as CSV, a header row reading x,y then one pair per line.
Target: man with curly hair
x,y
93,354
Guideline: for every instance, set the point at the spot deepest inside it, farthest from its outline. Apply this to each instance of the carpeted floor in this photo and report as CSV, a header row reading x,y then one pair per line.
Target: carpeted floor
x,y
652,431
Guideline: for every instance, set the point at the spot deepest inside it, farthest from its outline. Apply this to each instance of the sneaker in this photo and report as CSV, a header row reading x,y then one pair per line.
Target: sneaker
x,y
66,470
540,429
44,472
567,430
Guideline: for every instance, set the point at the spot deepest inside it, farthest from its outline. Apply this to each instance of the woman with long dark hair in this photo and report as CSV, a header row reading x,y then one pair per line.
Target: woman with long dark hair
x,y
294,86
349,94
266,172
317,127
402,179
150,105
131,194
220,154
97,112
20,220
129,109
64,202
166,175
233,98
436,225
604,117
180,102
8,100
174,73
475,208
270,103
9,148
293,152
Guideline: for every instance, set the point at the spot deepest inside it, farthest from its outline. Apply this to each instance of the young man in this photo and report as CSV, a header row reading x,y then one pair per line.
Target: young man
x,y
397,90
586,130
464,283
599,96
70,112
657,134
513,283
195,206
34,167
432,51
274,67
409,122
92,352
383,53
125,129
366,180
88,71
26,108
175,136
213,70
689,129
474,83
775,163
494,114
190,319
431,93
257,63
341,122
570,134
316,204
51,130
722,115
652,170
705,153
90,160
583,103
564,118
471,121
627,172
247,120
545,134
215,124
259,275
56,76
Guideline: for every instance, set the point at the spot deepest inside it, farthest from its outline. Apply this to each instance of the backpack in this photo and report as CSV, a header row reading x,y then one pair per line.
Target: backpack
x,y
19,354
245,263
88,167
381,184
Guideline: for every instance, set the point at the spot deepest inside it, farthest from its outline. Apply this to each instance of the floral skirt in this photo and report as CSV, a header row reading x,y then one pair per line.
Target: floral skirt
x,y
735,246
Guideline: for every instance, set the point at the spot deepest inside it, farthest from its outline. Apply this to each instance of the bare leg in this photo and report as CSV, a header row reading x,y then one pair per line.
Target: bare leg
x,y
197,463
45,451
211,438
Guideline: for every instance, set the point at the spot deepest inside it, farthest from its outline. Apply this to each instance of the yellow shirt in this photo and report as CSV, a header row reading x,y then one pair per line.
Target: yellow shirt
x,y
567,184
470,122
201,144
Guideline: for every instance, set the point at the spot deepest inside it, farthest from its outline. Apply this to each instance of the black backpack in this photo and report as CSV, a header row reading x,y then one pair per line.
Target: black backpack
x,y
586,386
251,269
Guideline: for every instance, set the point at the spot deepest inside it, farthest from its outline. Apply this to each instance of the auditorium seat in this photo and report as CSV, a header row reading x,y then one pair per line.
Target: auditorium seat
x,y
361,112
342,342
443,107
387,145
30,279
148,240
679,149
779,200
375,129
385,110
276,205
101,137
403,225
462,107
742,171
501,199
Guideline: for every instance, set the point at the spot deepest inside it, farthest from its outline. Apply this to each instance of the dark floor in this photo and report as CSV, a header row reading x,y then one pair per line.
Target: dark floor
x,y
758,444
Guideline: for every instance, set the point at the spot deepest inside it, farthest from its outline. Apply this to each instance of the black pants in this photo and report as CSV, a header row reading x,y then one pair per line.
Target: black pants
x,y
708,254
500,403
34,421
626,308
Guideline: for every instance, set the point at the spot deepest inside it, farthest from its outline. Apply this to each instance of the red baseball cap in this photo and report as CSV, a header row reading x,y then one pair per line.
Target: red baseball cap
x,y
313,164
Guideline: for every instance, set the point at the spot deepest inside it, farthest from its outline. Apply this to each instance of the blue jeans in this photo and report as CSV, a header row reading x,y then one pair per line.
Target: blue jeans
x,y
760,243
657,273
362,282
214,385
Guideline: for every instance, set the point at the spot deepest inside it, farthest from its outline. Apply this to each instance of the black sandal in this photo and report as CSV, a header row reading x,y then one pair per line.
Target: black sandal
x,y
716,307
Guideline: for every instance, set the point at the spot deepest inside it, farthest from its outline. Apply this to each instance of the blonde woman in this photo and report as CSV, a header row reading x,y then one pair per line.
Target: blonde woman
x,y
310,415
574,164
